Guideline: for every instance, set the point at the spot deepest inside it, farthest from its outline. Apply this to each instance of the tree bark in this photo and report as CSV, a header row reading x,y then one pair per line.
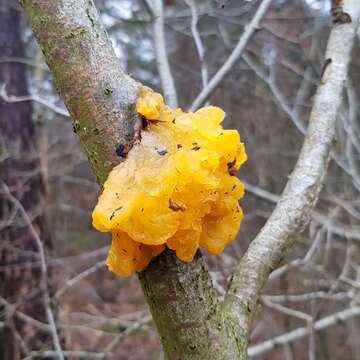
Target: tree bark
x,y
187,312
19,170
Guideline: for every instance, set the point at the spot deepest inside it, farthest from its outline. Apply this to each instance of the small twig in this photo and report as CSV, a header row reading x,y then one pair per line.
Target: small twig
x,y
198,42
302,332
44,273
137,325
308,297
35,98
25,61
167,80
343,231
72,354
285,310
277,94
79,277
234,56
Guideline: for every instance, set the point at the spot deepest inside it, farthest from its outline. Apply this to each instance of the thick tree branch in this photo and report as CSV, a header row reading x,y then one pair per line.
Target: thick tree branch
x,y
100,97
301,192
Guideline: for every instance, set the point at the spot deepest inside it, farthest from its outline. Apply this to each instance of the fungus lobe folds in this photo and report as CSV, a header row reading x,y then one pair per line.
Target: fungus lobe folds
x,y
174,189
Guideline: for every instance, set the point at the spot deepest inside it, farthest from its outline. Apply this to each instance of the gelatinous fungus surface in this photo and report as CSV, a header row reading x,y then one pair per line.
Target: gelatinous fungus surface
x,y
176,187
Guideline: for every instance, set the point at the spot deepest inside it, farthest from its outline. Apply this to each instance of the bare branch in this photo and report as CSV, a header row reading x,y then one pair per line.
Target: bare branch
x,y
301,192
72,354
25,61
270,81
198,42
302,332
44,273
35,98
344,231
234,56
167,80
79,277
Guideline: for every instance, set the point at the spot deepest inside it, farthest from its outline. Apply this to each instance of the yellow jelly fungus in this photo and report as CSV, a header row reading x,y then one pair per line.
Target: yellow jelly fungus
x,y
175,188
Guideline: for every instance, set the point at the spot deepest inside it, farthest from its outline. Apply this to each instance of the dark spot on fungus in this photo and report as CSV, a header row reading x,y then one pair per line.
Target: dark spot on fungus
x,y
124,250
142,209
96,131
176,207
120,151
162,152
231,168
234,187
173,121
179,146
113,213
195,148
226,193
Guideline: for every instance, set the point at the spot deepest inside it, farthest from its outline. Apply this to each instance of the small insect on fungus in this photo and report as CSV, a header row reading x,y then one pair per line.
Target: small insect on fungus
x,y
176,207
231,168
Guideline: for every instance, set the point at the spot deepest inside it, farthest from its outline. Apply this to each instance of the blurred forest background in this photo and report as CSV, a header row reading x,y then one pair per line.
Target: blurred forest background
x,y
47,190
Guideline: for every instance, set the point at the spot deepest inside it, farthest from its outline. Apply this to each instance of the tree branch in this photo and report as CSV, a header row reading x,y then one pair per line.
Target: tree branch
x,y
44,273
300,333
14,99
100,97
198,42
301,192
167,81
234,56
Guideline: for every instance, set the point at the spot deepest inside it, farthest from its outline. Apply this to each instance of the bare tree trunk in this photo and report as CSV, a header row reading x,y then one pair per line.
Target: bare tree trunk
x,y
19,171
